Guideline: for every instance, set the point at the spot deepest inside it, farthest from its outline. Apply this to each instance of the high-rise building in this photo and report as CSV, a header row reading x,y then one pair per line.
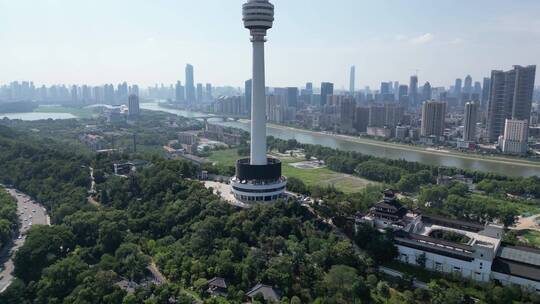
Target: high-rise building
x,y
347,108
133,106
377,116
433,114
258,178
327,89
426,91
134,89
74,94
199,92
386,87
393,114
352,79
477,89
510,97
471,117
122,92
190,84
486,85
402,95
467,88
413,91
457,89
309,87
361,119
179,92
515,136
208,92
292,97
523,92
395,90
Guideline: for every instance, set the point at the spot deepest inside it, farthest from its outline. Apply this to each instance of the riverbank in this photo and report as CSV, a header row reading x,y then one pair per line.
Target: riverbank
x,y
78,112
30,213
498,165
383,144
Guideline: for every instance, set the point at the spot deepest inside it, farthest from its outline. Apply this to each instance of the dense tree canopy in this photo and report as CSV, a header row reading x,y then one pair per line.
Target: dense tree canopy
x,y
159,218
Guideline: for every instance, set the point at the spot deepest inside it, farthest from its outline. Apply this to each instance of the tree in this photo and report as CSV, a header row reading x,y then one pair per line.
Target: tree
x,y
295,300
98,287
383,289
131,261
340,279
44,245
15,293
59,279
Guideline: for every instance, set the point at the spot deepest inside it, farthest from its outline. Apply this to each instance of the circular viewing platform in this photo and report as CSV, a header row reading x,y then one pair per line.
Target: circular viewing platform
x,y
258,183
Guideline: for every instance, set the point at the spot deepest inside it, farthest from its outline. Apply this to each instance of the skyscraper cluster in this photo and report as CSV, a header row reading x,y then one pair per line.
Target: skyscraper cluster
x,y
511,96
192,94
74,94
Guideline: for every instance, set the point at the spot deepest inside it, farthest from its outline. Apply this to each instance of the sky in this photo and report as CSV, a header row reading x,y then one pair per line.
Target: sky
x,y
150,41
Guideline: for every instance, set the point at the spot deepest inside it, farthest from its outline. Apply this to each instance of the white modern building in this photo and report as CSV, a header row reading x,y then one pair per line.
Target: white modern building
x,y
258,178
514,140
471,250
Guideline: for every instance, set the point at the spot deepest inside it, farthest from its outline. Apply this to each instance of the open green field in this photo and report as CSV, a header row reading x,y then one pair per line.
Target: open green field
x,y
79,112
531,237
522,206
311,177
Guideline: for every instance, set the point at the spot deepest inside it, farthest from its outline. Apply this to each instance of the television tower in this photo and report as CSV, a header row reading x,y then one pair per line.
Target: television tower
x,y
258,179
258,17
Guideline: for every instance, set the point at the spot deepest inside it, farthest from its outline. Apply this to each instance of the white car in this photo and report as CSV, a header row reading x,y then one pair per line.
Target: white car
x,y
34,210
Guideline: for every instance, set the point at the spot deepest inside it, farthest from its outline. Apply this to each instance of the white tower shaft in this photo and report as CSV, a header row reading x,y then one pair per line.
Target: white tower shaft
x,y
258,107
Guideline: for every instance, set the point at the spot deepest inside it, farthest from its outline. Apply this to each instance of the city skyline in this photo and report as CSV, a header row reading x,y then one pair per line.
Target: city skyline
x,y
137,45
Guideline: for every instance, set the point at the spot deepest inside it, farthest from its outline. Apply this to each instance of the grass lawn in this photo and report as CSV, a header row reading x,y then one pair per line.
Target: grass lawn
x,y
79,112
531,237
522,206
320,176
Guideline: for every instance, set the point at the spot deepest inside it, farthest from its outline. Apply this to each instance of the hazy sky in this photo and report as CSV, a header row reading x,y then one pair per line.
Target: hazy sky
x,y
150,41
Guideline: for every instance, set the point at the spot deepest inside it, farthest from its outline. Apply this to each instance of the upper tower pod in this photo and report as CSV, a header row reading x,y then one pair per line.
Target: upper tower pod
x,y
258,16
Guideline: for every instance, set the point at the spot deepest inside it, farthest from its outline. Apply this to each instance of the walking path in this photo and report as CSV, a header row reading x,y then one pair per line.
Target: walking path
x,y
529,222
92,190
30,213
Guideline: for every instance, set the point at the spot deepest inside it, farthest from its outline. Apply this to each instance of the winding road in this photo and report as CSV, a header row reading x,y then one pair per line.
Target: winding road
x,y
30,213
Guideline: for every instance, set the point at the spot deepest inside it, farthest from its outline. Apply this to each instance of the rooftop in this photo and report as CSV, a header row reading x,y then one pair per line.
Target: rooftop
x,y
267,292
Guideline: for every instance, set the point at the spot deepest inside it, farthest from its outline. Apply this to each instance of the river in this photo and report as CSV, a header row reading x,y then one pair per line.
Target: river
x,y
506,166
500,165
37,116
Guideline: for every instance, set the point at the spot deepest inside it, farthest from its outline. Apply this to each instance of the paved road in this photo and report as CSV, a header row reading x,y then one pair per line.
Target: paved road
x,y
225,192
30,213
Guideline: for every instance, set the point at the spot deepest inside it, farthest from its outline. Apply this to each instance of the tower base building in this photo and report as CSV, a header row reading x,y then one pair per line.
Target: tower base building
x,y
258,183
